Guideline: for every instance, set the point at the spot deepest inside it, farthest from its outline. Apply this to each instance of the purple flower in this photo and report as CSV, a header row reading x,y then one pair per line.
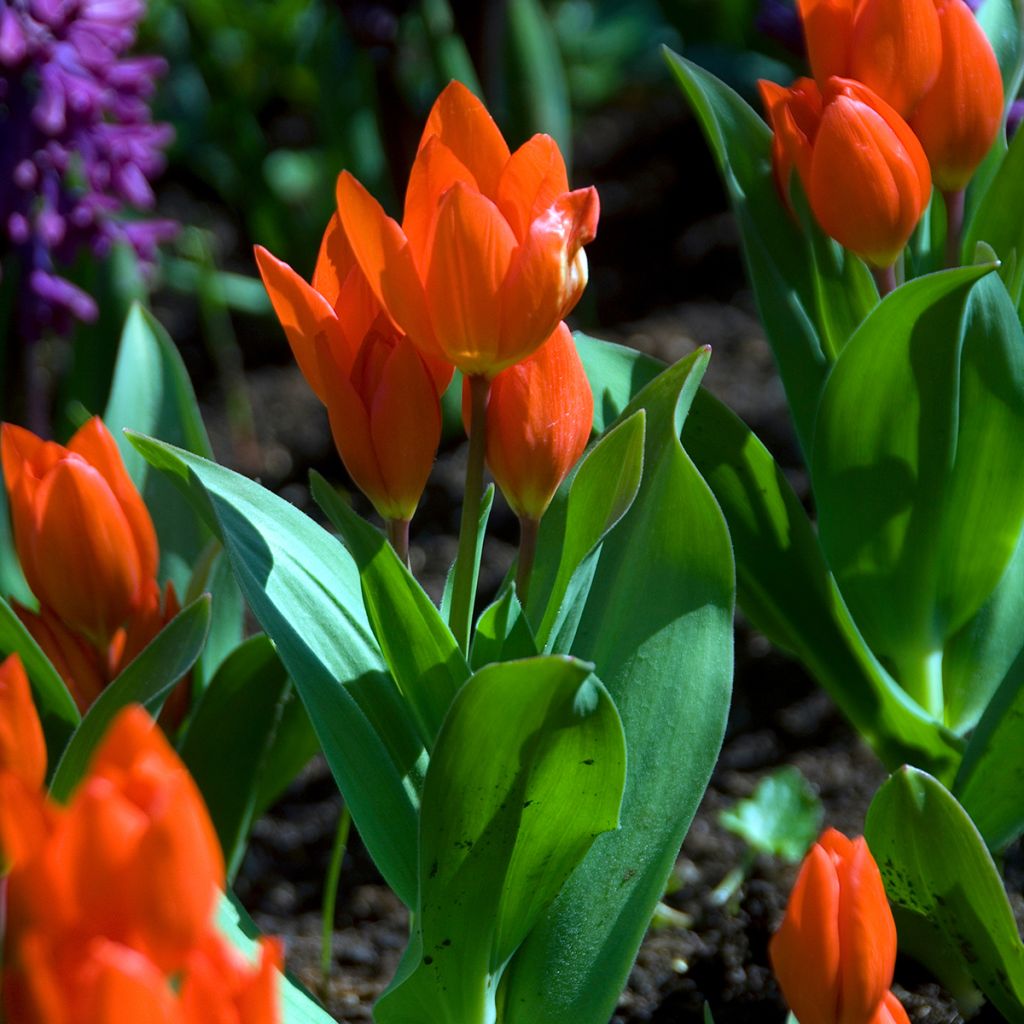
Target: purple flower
x,y
1014,118
778,19
77,147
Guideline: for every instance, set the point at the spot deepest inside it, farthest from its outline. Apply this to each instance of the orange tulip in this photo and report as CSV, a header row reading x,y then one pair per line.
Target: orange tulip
x,y
220,986
83,536
958,119
836,948
489,257
538,422
892,46
382,396
864,172
22,747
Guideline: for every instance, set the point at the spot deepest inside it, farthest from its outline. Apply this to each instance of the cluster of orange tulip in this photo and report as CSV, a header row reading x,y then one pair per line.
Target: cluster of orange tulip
x,y
110,898
486,263
904,93
87,547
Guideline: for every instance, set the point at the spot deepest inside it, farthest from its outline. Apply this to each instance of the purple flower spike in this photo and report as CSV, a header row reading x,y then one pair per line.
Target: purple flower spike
x,y
77,147
778,19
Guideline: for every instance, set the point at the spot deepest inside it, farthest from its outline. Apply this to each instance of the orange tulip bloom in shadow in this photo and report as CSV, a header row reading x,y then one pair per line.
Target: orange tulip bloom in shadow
x,y
382,395
489,257
835,951
959,117
863,170
892,46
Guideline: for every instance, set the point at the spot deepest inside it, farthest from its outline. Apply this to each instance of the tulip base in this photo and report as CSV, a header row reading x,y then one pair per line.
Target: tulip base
x,y
885,279
528,530
954,225
398,535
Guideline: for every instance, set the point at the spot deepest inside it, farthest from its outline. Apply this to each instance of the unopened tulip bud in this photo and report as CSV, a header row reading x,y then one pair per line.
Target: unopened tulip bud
x,y
22,747
835,951
958,118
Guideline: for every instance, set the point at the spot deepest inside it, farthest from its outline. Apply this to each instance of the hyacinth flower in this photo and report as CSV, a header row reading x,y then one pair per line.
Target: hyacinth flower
x,y
539,416
382,395
88,549
835,952
864,172
111,899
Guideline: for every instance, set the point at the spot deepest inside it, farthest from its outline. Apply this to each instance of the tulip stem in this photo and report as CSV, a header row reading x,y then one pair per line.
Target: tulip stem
x,y
398,534
528,530
464,584
331,896
954,225
885,279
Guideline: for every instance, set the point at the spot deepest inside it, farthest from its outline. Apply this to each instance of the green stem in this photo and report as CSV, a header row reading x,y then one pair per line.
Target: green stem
x,y
922,679
331,895
528,530
463,588
398,534
885,278
954,225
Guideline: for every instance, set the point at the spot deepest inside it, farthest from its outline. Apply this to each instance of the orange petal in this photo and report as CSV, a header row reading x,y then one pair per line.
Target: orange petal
x,y
119,984
532,181
462,123
470,258
805,951
25,821
867,936
96,445
890,1012
333,262
896,50
794,115
386,258
547,275
22,747
405,426
828,32
305,316
435,170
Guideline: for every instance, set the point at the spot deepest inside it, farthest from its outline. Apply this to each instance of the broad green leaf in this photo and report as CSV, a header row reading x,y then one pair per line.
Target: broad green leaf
x,y
424,659
303,587
934,863
906,474
57,709
147,681
616,375
481,531
502,632
230,732
528,769
775,251
781,817
212,575
600,493
991,777
12,580
151,394
294,745
658,627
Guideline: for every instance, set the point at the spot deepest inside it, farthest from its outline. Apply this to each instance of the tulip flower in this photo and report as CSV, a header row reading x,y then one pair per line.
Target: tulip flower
x,y
382,395
22,747
835,951
83,535
864,172
220,986
959,117
891,46
489,257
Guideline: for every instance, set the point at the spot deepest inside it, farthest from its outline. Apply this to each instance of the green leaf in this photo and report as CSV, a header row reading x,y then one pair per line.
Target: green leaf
x,y
782,817
12,580
294,745
481,531
212,575
417,644
775,251
303,587
151,393
658,627
934,863
906,474
57,709
502,632
528,769
600,494
616,375
230,732
147,680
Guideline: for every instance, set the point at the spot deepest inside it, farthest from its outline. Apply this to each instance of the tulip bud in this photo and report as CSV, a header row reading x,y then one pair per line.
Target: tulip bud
x,y
539,418
22,747
83,536
835,951
958,118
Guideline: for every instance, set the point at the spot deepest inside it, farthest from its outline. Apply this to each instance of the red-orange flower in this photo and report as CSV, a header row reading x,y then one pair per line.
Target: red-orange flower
x,y
489,257
22,747
221,987
83,536
864,172
382,396
958,118
835,951
892,46
539,418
